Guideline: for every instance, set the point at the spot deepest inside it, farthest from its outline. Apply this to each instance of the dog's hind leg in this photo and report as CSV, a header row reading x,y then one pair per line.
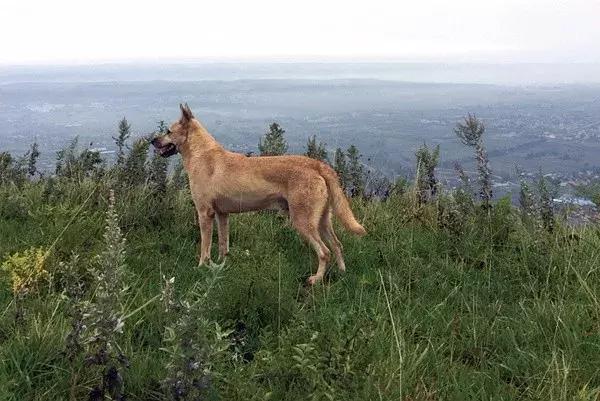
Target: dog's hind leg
x,y
326,229
223,229
312,235
205,221
306,206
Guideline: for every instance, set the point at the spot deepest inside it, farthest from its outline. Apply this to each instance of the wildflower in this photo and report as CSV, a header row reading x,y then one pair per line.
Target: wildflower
x,y
27,271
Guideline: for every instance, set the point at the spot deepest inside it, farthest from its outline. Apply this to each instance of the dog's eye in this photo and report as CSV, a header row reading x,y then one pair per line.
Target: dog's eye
x,y
168,132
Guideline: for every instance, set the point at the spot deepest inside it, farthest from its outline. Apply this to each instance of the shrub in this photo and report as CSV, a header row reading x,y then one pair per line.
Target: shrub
x,y
451,216
526,202
32,157
135,169
27,271
191,341
340,165
427,183
316,150
546,204
13,205
158,173
77,165
12,171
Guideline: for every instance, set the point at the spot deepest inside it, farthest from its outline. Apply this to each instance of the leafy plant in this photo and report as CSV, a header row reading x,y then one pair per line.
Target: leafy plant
x,y
316,150
103,316
340,165
121,140
546,203
191,341
470,132
27,271
427,183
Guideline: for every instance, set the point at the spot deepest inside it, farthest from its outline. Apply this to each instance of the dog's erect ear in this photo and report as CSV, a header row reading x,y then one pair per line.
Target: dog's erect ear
x,y
189,110
186,113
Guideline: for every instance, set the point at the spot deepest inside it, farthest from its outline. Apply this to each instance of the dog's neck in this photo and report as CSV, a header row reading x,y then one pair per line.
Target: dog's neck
x,y
198,141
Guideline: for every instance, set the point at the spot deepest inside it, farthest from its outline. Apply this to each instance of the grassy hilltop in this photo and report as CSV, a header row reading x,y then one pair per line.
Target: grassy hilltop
x,y
442,300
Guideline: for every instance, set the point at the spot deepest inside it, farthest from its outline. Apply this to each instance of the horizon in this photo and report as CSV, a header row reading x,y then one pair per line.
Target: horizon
x,y
281,60
509,74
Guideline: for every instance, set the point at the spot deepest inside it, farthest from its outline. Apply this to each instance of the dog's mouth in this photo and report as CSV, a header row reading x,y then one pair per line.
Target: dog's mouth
x,y
167,150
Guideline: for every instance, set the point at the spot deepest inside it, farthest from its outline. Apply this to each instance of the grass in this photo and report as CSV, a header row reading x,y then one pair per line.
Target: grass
x,y
499,311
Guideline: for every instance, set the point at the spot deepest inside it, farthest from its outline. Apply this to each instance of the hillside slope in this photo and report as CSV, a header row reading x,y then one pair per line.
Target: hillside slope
x,y
488,307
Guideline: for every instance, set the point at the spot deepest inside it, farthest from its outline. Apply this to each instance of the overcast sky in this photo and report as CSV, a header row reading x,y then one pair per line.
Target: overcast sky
x,y
66,31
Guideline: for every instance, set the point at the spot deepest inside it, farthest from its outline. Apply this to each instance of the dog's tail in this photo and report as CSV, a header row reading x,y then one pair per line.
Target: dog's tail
x,y
338,201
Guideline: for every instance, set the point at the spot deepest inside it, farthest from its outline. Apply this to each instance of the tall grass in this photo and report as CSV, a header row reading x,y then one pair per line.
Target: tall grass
x,y
441,303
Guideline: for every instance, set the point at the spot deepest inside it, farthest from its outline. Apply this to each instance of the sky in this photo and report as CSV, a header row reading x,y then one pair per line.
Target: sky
x,y
503,31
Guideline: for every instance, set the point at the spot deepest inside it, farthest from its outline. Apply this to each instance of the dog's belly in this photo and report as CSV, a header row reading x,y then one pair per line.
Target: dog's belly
x,y
250,203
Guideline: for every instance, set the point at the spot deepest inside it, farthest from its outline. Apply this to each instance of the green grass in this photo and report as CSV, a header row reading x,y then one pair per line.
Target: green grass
x,y
500,311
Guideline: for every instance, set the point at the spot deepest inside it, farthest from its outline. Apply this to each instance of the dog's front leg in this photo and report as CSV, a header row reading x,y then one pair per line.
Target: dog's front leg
x,y
205,220
223,225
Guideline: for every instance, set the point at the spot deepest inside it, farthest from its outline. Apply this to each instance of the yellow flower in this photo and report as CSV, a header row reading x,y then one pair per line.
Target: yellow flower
x,y
26,270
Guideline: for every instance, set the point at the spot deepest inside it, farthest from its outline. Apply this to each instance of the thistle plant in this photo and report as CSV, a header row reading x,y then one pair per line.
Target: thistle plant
x,y
471,133
464,177
121,140
32,157
103,318
546,204
526,201
427,183
192,342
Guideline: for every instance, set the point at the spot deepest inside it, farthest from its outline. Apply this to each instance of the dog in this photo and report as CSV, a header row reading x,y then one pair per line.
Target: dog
x,y
223,182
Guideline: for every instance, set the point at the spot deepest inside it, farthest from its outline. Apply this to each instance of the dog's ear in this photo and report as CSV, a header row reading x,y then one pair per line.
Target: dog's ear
x,y
189,110
186,113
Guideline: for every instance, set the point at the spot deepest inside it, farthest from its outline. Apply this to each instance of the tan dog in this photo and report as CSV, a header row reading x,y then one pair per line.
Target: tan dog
x,y
224,182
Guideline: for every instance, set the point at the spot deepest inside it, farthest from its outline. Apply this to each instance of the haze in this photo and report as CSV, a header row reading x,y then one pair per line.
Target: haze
x,y
496,31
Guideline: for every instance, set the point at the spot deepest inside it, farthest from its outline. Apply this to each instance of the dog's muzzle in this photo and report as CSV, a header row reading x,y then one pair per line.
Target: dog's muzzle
x,y
166,150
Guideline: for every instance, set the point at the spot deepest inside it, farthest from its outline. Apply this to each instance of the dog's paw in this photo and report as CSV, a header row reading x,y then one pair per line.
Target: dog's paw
x,y
312,280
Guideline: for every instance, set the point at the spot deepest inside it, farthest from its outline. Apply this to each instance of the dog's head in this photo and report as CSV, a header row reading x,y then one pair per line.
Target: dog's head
x,y
169,143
